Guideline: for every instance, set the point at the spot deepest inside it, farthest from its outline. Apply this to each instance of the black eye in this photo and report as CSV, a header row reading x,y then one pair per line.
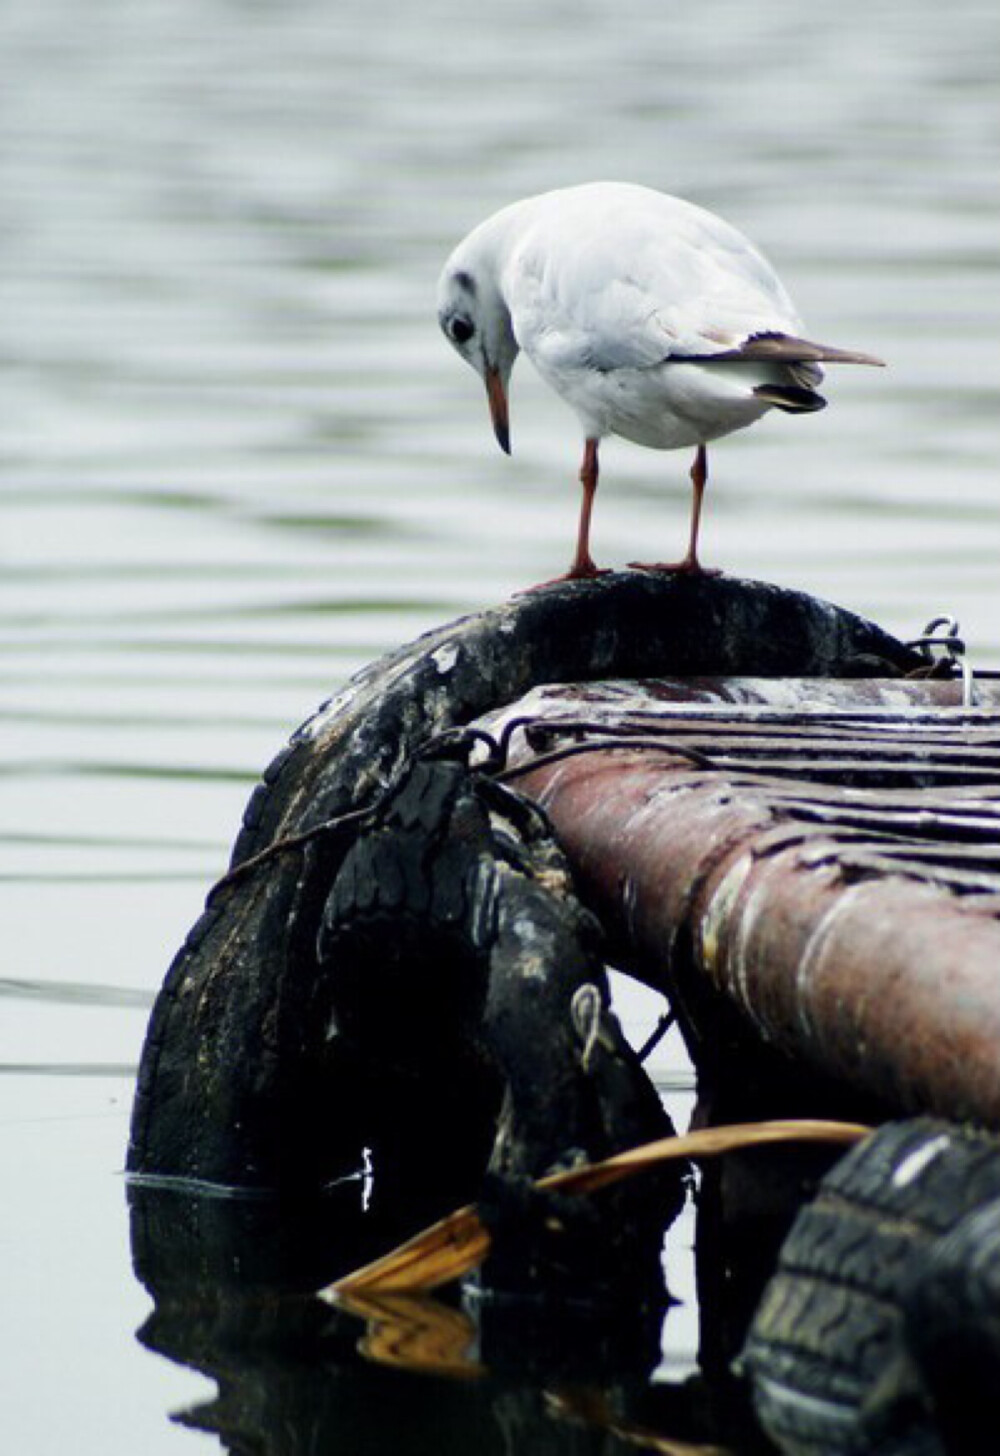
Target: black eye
x,y
461,330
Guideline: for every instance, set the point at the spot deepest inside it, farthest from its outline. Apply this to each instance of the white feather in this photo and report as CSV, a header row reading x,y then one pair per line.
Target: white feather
x,y
654,319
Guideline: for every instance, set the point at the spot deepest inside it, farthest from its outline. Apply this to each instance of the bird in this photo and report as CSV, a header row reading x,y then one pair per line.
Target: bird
x,y
653,318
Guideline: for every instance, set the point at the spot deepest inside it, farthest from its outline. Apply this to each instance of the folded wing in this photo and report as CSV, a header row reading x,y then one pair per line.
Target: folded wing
x,y
617,277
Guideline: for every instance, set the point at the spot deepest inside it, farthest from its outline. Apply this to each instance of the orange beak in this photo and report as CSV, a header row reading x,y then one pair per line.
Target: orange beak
x,y
497,397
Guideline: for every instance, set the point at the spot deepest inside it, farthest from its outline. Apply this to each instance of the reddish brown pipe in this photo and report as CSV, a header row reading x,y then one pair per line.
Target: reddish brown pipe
x,y
889,982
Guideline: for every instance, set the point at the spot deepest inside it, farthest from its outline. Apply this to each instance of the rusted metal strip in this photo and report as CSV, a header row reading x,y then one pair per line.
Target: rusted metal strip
x,y
860,933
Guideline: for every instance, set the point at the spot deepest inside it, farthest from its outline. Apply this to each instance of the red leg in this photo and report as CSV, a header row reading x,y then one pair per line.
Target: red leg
x,y
583,566
690,563
583,563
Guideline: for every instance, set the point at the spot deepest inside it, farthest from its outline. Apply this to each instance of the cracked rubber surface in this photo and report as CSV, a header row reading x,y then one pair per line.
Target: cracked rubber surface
x,y
234,1085
831,1353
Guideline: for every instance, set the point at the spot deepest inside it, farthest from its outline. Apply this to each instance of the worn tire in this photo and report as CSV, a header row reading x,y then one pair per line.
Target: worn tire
x,y
235,1087
830,1351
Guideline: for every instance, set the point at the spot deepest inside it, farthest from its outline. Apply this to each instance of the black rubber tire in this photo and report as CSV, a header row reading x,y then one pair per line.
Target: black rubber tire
x,y
234,1086
829,1354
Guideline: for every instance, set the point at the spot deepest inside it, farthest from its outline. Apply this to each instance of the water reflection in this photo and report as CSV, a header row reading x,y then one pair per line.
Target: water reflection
x,y
233,1282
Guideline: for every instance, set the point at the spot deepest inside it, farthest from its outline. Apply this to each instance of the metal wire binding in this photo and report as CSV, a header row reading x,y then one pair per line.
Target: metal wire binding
x,y
941,635
454,740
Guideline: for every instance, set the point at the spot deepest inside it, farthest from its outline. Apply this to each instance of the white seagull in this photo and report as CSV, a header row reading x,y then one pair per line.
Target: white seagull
x,y
653,318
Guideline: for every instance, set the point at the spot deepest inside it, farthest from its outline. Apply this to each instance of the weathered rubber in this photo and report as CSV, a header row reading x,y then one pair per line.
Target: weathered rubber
x,y
236,1085
831,1352
458,968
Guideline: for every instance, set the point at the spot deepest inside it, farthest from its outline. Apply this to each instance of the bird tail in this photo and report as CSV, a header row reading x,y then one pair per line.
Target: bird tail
x,y
791,398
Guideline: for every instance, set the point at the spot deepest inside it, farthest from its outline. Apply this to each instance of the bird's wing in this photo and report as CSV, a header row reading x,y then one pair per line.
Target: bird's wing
x,y
651,279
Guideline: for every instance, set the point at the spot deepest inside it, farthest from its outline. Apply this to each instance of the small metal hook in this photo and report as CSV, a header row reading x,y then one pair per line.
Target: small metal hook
x,y
942,635
585,1010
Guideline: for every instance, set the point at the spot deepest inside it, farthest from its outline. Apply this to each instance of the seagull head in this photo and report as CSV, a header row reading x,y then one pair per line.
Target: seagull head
x,y
476,321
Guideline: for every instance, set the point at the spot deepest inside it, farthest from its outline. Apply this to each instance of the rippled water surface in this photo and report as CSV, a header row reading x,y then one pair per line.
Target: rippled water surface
x,y
238,461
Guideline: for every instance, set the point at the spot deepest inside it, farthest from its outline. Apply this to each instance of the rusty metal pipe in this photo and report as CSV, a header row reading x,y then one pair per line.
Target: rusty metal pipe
x,y
887,981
